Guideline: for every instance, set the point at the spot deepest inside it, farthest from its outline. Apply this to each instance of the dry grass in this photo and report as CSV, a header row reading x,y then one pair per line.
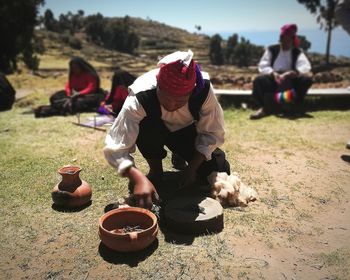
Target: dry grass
x,y
298,229
287,223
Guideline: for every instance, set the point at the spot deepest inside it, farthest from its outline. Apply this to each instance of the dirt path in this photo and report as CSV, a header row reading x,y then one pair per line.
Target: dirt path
x,y
298,229
304,187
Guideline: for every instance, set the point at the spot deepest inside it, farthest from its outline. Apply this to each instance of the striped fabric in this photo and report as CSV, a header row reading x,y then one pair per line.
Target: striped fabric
x,y
286,96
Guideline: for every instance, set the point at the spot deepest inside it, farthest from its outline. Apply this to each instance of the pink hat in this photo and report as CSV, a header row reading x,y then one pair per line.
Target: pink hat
x,y
290,30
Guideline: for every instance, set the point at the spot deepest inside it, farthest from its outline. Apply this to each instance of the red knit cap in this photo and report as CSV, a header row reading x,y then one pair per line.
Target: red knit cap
x,y
290,30
176,78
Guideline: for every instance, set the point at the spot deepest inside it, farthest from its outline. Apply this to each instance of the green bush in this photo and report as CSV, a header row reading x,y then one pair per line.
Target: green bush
x,y
74,42
238,51
215,50
111,34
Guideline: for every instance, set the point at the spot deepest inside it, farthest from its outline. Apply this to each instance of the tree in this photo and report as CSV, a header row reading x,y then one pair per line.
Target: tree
x,y
305,44
198,27
65,23
325,11
240,52
112,34
18,19
243,53
94,27
78,21
117,36
49,20
230,46
215,50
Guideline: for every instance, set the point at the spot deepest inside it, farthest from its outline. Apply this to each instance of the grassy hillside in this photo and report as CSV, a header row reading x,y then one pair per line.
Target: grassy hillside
x,y
160,39
156,40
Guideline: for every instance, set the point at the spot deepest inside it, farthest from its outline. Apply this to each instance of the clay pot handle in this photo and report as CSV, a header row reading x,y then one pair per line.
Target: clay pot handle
x,y
133,236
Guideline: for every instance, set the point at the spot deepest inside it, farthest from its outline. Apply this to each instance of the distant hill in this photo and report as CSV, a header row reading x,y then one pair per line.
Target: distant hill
x,y
156,40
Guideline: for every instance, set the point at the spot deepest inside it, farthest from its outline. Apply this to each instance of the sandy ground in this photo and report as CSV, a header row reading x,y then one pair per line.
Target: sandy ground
x,y
314,218
298,229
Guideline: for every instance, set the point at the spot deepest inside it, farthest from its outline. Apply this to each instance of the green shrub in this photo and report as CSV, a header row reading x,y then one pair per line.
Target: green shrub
x,y
74,42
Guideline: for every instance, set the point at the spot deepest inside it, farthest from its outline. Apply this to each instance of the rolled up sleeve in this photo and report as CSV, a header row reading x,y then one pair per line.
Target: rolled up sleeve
x,y
121,138
303,65
265,66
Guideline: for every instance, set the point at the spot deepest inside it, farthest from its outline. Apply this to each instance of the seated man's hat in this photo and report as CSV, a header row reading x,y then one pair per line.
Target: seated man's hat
x,y
290,30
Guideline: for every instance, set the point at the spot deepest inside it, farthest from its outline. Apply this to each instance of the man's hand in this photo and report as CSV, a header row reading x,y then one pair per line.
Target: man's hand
x,y
289,75
278,78
191,170
145,194
144,191
74,94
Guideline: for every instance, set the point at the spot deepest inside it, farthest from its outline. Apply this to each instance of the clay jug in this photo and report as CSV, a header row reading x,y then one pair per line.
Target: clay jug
x,y
71,192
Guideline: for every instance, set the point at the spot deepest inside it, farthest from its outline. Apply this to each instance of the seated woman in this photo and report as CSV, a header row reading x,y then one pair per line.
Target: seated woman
x,y
119,91
82,92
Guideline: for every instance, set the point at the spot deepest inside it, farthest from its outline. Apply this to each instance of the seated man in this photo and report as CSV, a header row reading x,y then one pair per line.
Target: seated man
x,y
283,68
169,106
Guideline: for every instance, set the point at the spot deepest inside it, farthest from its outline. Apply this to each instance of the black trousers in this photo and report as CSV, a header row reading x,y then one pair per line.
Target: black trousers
x,y
154,135
265,87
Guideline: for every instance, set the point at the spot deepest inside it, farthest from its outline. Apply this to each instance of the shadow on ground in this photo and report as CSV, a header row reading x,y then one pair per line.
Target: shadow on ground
x,y
168,188
345,158
294,115
70,210
132,259
311,103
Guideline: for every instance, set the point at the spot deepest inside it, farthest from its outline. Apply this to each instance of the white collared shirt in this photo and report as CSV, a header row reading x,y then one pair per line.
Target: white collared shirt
x,y
121,139
283,62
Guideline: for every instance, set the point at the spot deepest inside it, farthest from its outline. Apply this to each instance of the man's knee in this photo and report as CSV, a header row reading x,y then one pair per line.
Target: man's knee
x,y
304,81
150,149
150,140
261,79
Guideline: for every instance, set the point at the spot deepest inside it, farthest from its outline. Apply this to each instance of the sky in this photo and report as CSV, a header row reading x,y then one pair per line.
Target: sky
x,y
222,16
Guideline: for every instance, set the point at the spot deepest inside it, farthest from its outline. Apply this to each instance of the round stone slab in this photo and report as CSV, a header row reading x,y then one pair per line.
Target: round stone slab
x,y
194,214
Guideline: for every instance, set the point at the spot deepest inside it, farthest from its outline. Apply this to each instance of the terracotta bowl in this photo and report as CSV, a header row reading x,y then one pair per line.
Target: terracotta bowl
x,y
113,225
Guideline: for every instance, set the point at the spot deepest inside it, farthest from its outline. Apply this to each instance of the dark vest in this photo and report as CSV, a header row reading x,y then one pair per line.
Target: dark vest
x,y
150,103
275,49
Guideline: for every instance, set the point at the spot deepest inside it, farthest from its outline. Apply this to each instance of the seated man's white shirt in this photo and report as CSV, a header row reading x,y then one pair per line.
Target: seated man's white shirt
x,y
283,62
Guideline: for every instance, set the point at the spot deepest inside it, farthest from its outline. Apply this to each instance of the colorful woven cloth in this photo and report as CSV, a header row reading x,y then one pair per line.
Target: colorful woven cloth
x,y
286,96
